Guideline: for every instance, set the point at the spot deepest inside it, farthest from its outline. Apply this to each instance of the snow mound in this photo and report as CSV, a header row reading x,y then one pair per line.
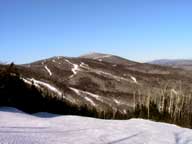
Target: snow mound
x,y
21,128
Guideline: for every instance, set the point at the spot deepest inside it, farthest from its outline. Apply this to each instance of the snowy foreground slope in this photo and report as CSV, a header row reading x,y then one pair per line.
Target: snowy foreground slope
x,y
19,128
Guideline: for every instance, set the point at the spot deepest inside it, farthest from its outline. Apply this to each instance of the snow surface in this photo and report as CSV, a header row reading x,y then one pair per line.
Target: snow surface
x,y
124,111
50,87
174,91
53,61
44,128
134,79
75,68
88,96
90,100
37,83
84,65
81,94
48,70
118,78
116,101
26,81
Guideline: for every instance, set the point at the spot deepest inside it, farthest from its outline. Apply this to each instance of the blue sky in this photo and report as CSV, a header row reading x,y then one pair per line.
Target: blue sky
x,y
139,30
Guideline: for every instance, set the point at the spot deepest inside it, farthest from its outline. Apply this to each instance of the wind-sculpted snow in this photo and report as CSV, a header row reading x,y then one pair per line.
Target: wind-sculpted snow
x,y
44,128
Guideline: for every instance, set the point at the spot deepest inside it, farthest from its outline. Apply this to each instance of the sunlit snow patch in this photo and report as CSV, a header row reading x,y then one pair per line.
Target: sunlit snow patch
x,y
75,68
90,100
80,93
174,91
134,79
40,83
83,65
53,61
116,101
48,70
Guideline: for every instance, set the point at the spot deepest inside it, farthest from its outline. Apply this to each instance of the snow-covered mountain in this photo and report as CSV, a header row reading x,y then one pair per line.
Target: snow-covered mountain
x,y
44,128
99,85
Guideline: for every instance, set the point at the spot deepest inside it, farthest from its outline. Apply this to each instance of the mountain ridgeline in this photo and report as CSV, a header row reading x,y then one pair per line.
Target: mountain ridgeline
x,y
180,63
99,85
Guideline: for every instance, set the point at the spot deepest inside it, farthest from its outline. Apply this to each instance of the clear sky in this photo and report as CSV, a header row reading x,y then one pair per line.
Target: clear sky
x,y
139,30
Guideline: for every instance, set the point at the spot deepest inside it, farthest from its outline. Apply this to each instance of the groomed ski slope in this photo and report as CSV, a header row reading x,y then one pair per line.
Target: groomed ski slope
x,y
17,127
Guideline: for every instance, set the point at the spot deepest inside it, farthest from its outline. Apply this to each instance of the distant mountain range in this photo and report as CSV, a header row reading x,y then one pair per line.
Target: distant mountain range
x,y
99,85
183,64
